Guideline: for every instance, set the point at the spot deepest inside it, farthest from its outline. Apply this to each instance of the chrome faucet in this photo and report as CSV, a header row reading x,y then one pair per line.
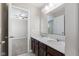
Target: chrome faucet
x,y
43,34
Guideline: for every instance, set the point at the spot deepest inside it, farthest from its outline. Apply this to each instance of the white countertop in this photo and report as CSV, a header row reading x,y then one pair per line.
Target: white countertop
x,y
60,46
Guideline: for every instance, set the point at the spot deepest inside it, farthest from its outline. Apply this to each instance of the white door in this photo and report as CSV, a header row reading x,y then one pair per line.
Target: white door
x,y
17,30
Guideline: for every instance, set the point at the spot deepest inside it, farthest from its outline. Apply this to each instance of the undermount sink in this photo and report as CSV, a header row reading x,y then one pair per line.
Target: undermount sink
x,y
49,39
56,42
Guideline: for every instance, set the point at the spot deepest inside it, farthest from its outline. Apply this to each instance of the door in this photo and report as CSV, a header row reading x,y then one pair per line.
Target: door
x,y
18,27
3,29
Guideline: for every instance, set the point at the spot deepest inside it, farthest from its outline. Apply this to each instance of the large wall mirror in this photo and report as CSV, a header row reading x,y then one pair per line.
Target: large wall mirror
x,y
53,23
56,25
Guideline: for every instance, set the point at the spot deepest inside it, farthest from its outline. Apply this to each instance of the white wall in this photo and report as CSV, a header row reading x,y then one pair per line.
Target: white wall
x,y
44,23
71,28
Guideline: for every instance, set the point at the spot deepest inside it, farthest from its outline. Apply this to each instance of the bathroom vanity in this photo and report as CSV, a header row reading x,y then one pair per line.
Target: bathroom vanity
x,y
51,41
41,48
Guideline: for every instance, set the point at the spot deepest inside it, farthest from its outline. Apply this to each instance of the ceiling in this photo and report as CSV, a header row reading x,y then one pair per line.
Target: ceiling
x,y
37,5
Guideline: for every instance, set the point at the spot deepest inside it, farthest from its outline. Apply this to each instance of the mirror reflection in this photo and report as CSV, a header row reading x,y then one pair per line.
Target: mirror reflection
x,y
56,25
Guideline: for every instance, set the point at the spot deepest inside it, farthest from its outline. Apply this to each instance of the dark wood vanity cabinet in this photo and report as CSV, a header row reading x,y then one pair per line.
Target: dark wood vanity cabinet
x,y
36,47
41,49
53,52
33,45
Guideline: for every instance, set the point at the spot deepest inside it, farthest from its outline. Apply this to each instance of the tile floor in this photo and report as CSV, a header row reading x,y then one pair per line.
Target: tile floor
x,y
27,54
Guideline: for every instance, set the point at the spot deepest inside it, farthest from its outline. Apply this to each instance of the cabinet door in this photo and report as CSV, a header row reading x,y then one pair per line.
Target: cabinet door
x,y
33,45
42,49
42,52
36,47
53,52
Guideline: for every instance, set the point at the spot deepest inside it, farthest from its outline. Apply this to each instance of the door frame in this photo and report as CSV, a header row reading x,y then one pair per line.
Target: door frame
x,y
9,22
0,27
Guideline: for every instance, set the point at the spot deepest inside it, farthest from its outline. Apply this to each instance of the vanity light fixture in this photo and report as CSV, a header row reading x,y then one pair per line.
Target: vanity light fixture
x,y
50,6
